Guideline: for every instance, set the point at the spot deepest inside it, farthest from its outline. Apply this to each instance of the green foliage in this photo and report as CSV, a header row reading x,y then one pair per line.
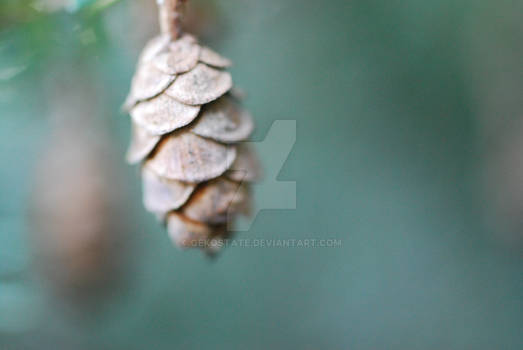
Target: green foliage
x,y
31,37
15,12
92,6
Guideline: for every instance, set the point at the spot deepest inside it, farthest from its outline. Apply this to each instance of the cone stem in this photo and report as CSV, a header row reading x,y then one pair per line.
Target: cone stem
x,y
170,17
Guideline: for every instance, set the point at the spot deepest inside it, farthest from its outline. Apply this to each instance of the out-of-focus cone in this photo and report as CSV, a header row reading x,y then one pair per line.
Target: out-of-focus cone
x,y
493,63
77,226
187,130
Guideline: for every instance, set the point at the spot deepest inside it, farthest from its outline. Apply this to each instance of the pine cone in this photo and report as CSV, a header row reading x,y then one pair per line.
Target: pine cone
x,y
76,201
75,232
186,128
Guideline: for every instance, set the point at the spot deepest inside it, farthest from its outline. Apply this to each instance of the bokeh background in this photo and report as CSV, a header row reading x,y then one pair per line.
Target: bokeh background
x,y
409,150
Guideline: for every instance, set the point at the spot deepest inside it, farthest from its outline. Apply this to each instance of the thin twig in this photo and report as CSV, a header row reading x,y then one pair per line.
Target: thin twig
x,y
170,17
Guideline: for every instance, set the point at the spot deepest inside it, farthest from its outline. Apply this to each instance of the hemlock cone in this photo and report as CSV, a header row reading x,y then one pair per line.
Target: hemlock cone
x,y
186,130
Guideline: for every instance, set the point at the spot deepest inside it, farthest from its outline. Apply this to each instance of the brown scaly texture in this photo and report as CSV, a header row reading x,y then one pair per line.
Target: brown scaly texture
x,y
186,130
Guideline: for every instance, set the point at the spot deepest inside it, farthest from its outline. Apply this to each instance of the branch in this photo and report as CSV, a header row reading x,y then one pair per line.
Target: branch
x,y
170,17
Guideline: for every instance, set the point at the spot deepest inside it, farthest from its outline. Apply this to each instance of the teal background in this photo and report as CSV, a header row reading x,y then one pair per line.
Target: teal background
x,y
389,157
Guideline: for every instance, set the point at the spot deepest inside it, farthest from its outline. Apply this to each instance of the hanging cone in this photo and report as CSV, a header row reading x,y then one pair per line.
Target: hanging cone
x,y
187,131
76,203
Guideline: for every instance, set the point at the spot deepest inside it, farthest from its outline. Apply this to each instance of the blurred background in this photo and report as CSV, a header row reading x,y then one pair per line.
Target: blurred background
x,y
409,151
